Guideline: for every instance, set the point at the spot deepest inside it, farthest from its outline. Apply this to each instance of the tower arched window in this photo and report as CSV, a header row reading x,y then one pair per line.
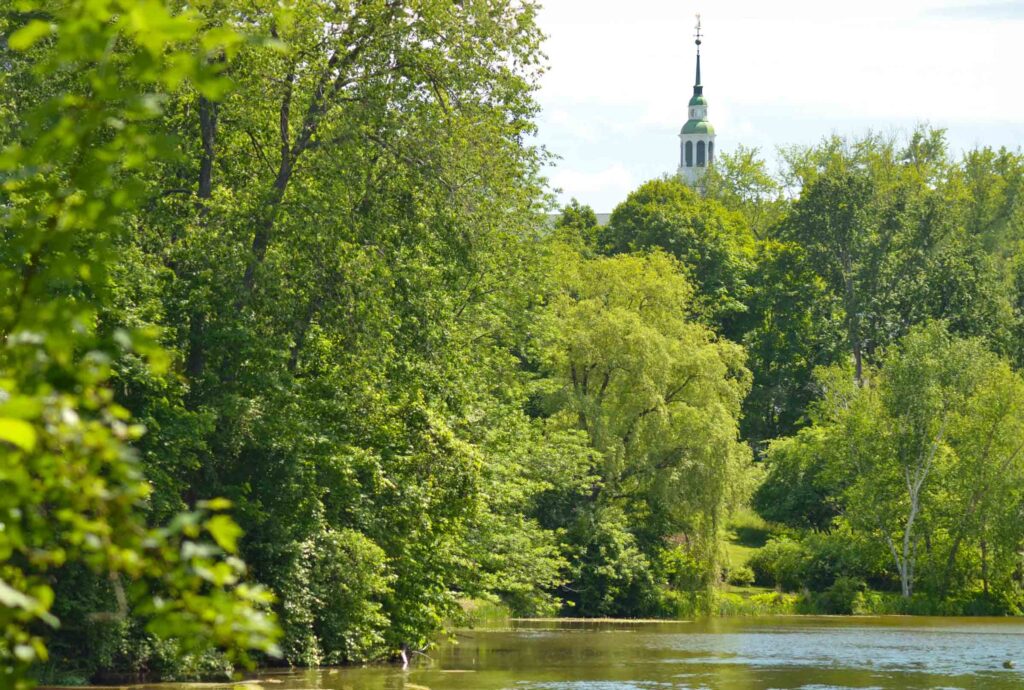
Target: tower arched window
x,y
689,154
700,154
711,152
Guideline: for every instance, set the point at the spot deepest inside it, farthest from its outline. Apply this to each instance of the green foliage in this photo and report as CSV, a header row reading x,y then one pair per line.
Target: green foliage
x,y
741,576
713,245
880,235
294,256
917,458
332,594
800,490
577,226
781,563
335,246
481,612
760,604
340,255
815,561
73,493
614,577
657,396
740,181
794,329
845,596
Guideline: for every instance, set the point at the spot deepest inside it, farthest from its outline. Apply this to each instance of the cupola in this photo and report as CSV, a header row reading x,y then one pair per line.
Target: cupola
x,y
697,137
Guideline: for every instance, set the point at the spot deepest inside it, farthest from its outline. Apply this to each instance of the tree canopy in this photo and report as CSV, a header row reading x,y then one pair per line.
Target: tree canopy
x,y
296,367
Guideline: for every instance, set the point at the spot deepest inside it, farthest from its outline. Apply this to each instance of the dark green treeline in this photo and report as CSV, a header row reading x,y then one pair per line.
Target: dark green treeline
x,y
326,222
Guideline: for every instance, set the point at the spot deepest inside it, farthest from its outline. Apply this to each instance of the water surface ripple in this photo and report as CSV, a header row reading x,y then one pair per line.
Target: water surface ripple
x,y
777,653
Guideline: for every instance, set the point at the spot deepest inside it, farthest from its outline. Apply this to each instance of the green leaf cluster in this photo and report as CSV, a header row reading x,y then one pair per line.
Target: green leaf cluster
x,y
72,490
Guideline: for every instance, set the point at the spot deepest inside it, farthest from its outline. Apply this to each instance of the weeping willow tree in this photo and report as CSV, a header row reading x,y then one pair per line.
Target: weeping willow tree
x,y
658,395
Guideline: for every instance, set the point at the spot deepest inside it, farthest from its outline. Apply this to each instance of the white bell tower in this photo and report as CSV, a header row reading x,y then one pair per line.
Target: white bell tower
x,y
697,138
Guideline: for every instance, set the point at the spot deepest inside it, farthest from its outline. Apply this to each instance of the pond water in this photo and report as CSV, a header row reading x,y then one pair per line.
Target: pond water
x,y
810,653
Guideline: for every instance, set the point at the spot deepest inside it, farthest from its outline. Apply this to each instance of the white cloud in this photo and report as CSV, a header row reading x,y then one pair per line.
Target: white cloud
x,y
615,180
568,124
621,74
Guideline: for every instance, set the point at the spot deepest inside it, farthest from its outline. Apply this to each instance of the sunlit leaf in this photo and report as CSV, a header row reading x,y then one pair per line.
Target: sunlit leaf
x,y
18,432
28,35
224,531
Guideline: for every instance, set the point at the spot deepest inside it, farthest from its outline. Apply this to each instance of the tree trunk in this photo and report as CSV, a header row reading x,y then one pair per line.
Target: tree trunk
x,y
300,335
909,544
858,363
984,566
261,238
853,330
195,360
289,156
208,137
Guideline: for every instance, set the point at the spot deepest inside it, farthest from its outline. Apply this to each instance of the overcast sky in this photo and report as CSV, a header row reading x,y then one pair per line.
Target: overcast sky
x,y
774,73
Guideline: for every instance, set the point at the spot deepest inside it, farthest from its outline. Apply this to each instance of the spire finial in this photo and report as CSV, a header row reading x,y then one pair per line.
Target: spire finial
x,y
697,36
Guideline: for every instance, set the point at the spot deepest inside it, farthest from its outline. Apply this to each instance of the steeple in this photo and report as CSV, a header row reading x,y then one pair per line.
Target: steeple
x,y
697,138
698,89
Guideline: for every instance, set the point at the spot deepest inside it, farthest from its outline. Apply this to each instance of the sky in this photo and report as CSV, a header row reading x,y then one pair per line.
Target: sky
x,y
775,73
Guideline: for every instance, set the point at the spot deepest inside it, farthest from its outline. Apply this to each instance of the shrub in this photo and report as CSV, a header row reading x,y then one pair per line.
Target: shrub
x,y
613,577
781,563
683,570
845,596
841,553
816,561
765,604
477,612
680,605
741,576
1001,603
330,610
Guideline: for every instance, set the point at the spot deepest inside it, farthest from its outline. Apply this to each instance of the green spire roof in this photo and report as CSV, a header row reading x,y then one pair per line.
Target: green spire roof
x,y
698,127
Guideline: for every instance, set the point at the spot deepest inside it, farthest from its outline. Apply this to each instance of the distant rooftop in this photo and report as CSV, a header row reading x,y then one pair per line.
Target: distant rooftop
x,y
602,218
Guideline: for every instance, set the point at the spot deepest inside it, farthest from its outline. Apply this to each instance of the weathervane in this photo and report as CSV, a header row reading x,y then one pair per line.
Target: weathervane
x,y
698,34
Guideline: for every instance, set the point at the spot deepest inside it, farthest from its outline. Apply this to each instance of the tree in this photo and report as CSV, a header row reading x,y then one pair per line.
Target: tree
x,y
981,493
73,493
577,225
658,397
794,330
994,182
921,450
340,258
833,223
578,216
800,488
883,228
343,254
714,246
741,182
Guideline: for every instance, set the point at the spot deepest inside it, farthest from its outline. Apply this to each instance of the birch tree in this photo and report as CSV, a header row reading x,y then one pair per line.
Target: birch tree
x,y
896,444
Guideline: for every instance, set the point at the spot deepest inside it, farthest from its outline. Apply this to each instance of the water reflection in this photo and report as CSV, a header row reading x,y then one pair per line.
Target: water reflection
x,y
724,654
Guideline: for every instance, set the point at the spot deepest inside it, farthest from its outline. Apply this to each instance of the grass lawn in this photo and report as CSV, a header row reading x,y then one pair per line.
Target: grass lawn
x,y
747,591
737,553
746,533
